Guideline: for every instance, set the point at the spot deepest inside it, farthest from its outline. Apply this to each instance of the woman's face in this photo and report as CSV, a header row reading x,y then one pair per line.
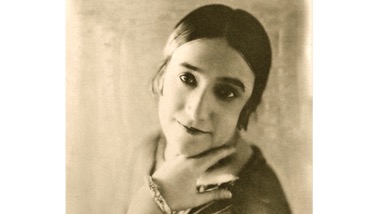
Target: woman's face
x,y
205,87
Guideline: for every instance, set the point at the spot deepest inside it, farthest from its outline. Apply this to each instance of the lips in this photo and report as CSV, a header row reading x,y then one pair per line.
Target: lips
x,y
192,130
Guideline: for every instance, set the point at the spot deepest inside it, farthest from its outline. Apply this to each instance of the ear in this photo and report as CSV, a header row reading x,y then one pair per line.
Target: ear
x,y
248,109
158,80
243,119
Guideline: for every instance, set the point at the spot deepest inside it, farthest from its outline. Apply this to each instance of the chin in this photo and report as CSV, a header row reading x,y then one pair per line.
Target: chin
x,y
190,150
189,146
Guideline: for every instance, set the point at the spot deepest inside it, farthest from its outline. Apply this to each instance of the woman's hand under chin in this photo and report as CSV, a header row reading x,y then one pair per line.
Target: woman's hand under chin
x,y
177,179
227,169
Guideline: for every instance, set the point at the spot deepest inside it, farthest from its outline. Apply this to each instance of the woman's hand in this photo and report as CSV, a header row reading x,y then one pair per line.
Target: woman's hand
x,y
177,179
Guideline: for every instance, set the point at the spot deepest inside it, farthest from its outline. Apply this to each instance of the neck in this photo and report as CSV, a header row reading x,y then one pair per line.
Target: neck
x,y
169,152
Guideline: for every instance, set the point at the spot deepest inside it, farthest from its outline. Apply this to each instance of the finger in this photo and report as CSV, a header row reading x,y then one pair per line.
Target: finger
x,y
219,194
212,157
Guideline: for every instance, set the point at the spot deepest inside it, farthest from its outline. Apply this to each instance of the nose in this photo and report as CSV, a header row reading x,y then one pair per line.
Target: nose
x,y
199,106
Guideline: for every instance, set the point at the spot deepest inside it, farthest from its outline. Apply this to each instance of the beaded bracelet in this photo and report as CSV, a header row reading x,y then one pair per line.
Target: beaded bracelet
x,y
158,198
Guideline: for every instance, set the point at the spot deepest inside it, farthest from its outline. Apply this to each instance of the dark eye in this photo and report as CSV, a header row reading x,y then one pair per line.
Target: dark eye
x,y
188,79
225,92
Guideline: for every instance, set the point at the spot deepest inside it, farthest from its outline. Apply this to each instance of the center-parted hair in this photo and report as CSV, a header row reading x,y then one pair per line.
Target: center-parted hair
x,y
241,30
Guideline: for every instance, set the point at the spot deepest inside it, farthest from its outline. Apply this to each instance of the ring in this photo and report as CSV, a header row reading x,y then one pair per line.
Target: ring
x,y
201,188
206,188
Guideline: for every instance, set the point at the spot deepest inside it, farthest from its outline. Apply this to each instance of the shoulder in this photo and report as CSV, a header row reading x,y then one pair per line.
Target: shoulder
x,y
148,143
258,188
145,149
143,157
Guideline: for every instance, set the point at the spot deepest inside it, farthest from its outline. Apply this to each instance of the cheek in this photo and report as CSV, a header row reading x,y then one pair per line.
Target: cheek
x,y
226,122
171,99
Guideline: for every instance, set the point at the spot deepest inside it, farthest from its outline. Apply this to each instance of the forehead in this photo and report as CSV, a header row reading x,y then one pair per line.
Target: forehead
x,y
215,57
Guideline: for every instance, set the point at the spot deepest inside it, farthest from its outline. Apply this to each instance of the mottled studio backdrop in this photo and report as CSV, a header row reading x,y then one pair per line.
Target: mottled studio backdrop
x,y
113,50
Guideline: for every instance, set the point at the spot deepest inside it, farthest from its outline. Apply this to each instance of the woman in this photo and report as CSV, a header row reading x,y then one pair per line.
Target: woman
x,y
216,66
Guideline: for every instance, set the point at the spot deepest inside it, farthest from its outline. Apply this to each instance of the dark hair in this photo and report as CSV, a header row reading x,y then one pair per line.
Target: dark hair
x,y
241,30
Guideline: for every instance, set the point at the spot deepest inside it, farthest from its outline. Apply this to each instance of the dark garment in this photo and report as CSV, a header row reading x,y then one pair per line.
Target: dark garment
x,y
256,191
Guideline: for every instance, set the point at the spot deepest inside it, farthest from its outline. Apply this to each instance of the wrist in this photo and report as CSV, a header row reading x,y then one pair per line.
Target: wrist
x,y
143,203
157,196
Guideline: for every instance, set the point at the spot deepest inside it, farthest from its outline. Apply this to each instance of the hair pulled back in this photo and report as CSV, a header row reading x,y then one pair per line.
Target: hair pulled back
x,y
241,30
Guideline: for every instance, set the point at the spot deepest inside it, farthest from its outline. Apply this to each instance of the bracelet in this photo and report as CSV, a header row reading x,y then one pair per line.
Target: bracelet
x,y
158,198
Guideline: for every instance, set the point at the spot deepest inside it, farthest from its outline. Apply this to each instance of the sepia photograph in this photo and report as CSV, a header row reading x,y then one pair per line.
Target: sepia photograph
x,y
189,107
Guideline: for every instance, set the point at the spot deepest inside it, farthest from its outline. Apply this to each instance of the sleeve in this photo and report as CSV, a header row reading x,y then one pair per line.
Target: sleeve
x,y
259,190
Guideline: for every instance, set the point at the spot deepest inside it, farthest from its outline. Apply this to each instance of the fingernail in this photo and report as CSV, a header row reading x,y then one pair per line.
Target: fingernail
x,y
228,195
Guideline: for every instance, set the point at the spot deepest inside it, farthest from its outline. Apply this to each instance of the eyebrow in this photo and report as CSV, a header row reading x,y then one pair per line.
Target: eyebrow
x,y
229,80
191,67
233,81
